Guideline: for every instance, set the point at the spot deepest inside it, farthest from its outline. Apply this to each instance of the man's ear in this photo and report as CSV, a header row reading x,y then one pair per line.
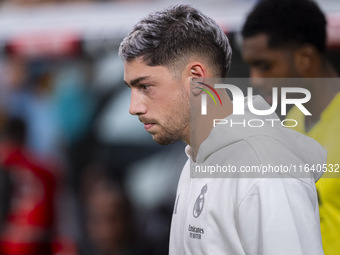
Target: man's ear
x,y
306,59
195,71
198,70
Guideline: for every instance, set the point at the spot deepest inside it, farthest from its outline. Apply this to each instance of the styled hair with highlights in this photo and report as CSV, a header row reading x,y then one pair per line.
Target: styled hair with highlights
x,y
170,37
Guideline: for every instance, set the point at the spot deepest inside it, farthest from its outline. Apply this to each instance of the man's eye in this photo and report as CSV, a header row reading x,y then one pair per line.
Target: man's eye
x,y
264,66
144,87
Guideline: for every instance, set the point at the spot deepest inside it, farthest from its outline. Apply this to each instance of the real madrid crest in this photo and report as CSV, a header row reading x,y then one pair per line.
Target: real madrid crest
x,y
199,204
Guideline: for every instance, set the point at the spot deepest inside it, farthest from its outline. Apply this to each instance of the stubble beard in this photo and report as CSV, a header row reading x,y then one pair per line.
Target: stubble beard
x,y
177,125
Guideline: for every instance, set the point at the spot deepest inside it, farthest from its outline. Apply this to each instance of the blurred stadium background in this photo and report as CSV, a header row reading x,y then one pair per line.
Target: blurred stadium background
x,y
90,180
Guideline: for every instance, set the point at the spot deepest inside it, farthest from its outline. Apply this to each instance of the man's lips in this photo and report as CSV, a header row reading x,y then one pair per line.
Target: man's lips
x,y
148,125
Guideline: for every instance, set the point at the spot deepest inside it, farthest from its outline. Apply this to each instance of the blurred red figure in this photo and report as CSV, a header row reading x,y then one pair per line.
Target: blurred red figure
x,y
28,227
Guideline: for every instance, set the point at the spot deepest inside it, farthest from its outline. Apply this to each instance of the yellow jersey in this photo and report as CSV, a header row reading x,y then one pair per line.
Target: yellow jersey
x,y
327,132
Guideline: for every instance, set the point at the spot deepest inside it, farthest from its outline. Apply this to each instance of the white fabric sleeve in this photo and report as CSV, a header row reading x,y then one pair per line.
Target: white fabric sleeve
x,y
280,216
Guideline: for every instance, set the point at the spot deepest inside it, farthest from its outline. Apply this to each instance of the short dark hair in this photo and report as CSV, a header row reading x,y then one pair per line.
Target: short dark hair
x,y
288,22
165,37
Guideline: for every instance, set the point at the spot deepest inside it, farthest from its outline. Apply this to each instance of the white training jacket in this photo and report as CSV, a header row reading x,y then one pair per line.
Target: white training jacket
x,y
237,216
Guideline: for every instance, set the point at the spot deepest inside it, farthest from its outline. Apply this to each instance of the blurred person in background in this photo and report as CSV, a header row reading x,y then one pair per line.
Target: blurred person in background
x,y
287,39
55,100
28,94
109,222
28,227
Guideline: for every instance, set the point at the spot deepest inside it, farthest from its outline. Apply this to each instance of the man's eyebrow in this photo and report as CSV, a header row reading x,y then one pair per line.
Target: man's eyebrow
x,y
137,80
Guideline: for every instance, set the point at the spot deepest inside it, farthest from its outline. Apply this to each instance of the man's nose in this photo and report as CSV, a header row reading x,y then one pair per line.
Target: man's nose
x,y
255,73
256,79
137,107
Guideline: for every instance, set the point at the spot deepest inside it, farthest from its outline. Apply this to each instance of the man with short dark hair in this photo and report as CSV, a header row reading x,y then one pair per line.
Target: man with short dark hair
x,y
148,46
287,39
164,55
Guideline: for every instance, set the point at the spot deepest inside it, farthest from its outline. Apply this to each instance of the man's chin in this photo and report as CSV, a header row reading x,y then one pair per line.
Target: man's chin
x,y
164,140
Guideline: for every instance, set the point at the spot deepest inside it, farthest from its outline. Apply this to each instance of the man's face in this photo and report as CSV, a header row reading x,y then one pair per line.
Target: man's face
x,y
265,62
159,100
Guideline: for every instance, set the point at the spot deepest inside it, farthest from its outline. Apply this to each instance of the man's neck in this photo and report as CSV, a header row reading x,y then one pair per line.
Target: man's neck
x,y
201,125
322,94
